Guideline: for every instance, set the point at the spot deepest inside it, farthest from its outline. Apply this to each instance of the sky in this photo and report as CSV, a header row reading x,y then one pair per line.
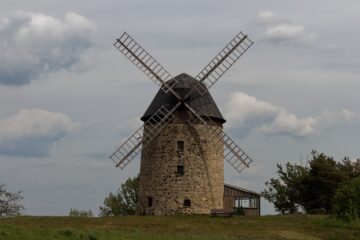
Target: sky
x,y
68,98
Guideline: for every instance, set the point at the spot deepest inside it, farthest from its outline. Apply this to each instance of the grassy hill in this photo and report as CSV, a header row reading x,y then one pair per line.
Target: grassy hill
x,y
177,227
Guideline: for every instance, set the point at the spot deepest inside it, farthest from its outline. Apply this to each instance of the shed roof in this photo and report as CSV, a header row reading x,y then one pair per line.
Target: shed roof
x,y
203,104
241,189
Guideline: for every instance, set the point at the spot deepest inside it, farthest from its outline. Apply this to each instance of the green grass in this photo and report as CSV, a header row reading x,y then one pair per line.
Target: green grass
x,y
178,227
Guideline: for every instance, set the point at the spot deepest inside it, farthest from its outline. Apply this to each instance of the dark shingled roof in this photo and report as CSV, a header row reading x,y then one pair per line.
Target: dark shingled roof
x,y
204,105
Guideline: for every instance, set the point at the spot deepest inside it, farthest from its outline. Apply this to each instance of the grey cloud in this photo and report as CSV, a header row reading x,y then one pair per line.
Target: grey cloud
x,y
33,44
289,33
32,132
28,147
266,17
18,77
248,113
283,31
289,124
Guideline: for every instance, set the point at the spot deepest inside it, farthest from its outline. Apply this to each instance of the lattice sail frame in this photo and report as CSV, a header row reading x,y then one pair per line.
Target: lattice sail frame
x,y
211,73
206,79
145,62
233,154
132,146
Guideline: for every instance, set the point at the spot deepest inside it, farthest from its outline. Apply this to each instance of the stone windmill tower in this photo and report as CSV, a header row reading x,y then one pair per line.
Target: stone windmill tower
x,y
182,142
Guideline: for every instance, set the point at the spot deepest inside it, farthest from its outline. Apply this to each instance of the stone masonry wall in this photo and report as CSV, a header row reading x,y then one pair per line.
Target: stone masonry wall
x,y
202,182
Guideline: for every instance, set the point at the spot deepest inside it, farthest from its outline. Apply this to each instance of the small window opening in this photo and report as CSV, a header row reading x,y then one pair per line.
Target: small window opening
x,y
187,203
150,201
180,153
180,146
180,169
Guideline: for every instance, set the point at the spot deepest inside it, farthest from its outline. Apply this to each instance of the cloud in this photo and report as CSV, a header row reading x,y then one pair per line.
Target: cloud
x,y
289,124
283,31
130,125
266,16
248,113
242,107
289,33
32,132
33,44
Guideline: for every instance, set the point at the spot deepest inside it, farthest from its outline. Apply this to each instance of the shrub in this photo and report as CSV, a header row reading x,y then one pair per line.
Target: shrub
x,y
240,211
80,213
346,202
10,202
124,201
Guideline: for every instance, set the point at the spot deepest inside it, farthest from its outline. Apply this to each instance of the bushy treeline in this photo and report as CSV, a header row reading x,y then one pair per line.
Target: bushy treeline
x,y
10,202
124,201
74,212
322,185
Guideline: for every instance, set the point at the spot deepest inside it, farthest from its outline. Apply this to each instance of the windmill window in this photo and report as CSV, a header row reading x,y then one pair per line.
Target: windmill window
x,y
150,201
180,151
180,169
187,203
181,156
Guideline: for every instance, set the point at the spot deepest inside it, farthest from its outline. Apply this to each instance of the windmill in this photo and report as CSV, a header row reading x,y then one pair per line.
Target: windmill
x,y
182,141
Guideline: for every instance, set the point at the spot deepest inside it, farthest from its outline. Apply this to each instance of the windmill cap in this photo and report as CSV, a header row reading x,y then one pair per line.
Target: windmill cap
x,y
203,104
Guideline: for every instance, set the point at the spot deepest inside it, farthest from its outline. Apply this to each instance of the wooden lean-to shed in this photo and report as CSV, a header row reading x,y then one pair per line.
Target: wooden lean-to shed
x,y
235,197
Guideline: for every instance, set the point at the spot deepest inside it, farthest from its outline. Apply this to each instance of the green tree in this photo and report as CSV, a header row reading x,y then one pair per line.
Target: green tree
x,y
318,189
284,192
10,202
346,201
74,212
350,168
124,201
309,188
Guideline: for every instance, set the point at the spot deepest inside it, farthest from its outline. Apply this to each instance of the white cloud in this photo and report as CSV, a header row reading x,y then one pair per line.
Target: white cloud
x,y
31,132
289,33
284,31
248,113
289,124
241,108
266,16
34,43
130,125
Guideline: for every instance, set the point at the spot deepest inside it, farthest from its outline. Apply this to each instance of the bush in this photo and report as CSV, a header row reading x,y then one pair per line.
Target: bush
x,y
80,213
346,202
312,187
124,201
10,202
239,211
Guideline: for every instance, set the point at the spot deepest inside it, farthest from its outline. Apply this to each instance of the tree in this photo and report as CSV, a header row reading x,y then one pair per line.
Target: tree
x,y
350,168
346,204
310,188
325,175
10,202
284,192
124,201
80,213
